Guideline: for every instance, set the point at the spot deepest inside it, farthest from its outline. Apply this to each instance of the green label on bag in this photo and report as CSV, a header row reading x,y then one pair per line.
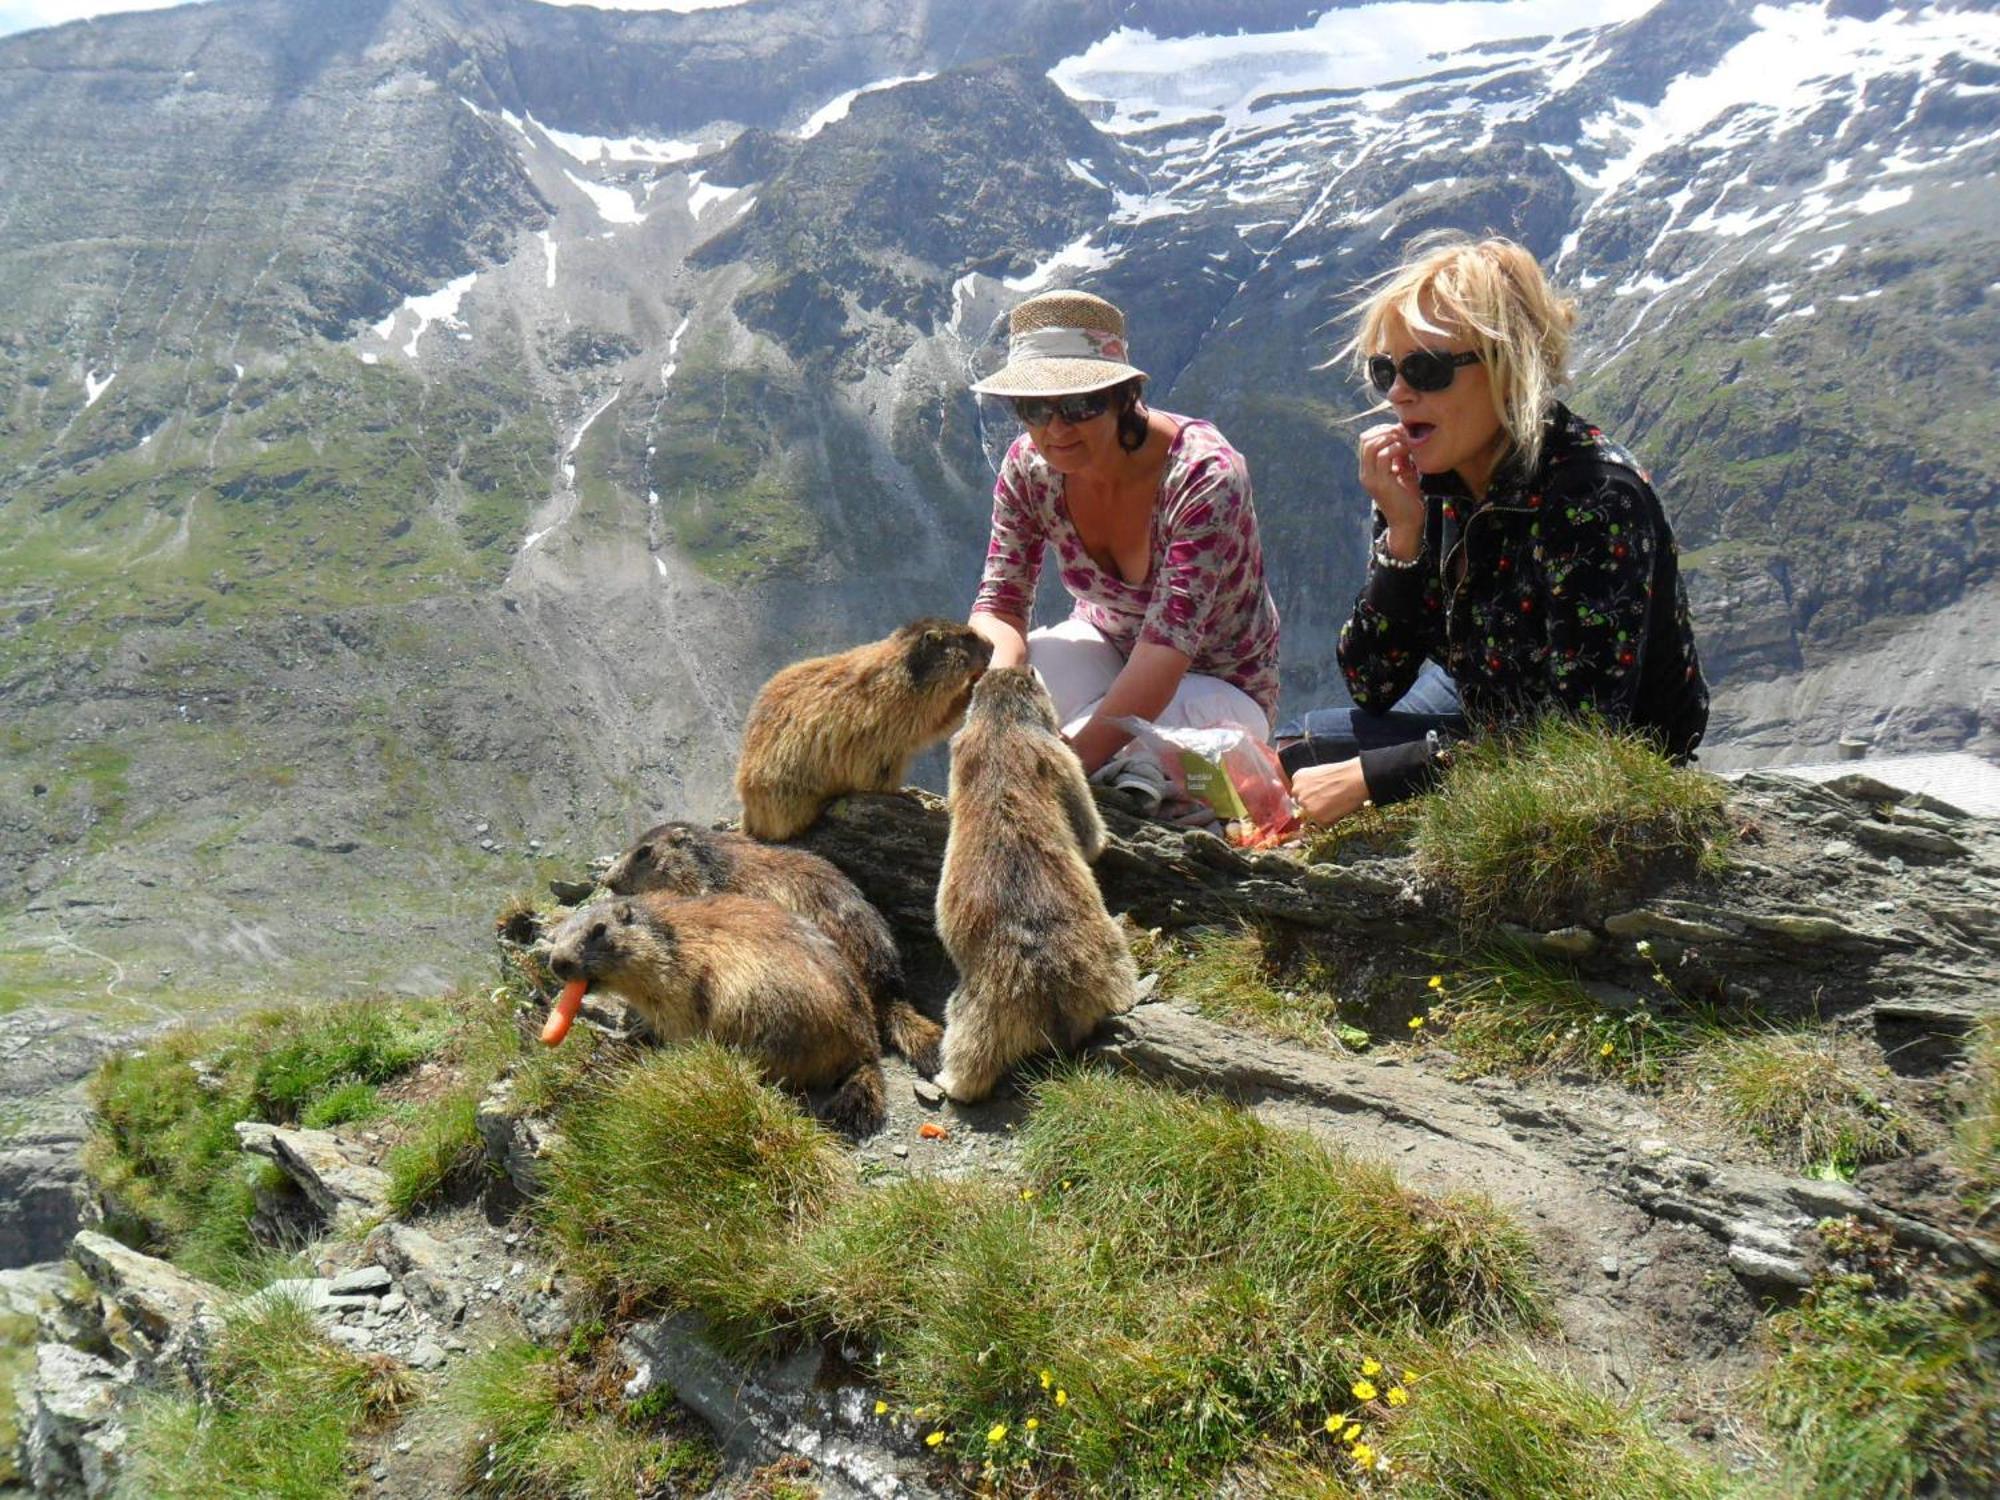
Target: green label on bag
x,y
1208,782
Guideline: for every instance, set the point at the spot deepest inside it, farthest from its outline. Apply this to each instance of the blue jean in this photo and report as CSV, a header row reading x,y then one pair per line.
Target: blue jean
x,y
1324,736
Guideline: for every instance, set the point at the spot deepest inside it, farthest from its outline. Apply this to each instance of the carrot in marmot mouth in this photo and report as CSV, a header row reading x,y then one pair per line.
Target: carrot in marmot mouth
x,y
568,1003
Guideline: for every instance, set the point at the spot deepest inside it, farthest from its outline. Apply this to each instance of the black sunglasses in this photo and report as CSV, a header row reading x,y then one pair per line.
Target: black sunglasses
x,y
1425,370
1034,411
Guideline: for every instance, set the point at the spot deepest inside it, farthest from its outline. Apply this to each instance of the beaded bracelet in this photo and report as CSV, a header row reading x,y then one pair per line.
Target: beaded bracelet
x,y
1379,555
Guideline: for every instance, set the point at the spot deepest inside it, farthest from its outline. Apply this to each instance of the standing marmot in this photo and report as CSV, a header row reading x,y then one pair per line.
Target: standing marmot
x,y
850,723
687,861
745,972
1040,961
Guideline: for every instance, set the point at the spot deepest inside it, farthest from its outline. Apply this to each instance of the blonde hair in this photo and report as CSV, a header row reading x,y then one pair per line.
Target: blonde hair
x,y
1493,292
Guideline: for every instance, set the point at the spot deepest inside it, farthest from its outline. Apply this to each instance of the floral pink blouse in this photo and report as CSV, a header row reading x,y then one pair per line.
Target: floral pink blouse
x,y
1204,593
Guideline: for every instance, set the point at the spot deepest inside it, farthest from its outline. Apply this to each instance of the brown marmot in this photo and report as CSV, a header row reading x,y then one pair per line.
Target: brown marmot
x,y
1040,961
744,972
851,722
684,860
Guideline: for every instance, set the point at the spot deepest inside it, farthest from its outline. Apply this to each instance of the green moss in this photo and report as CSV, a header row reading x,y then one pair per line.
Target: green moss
x,y
1886,1397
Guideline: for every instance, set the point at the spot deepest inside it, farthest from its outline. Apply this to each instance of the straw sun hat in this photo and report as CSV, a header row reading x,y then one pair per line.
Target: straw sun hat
x,y
1061,344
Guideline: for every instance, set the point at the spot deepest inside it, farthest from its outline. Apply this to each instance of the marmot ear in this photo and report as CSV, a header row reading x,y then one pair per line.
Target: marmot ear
x,y
926,655
623,912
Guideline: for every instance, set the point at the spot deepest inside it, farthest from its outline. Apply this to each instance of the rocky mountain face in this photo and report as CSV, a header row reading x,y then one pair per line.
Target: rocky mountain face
x,y
424,423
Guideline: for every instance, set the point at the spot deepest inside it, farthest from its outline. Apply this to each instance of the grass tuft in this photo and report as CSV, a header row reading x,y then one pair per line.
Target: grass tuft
x,y
1531,825
1808,1098
1229,975
1499,1423
544,1429
284,1404
438,1153
1886,1398
677,1179
1976,1139
1175,1281
1515,1013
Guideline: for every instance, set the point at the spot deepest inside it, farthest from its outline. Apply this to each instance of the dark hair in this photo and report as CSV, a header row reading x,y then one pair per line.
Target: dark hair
x,y
1132,423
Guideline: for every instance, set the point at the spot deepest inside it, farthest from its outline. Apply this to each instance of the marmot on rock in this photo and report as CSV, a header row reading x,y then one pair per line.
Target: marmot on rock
x,y
684,860
1040,961
851,722
744,972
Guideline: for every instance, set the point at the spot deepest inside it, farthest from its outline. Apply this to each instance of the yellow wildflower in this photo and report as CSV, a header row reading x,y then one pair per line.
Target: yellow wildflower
x,y
1363,1390
1033,1423
1371,1367
1409,1377
1027,1195
1606,1050
1047,1380
1437,981
1333,1423
934,1439
996,1432
1416,1023
1066,1183
1351,1434
881,1408
1363,1455
1398,1396
1062,1396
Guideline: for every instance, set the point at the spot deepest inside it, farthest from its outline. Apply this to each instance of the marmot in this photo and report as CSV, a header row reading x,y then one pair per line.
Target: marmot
x,y
745,972
687,861
1040,961
851,722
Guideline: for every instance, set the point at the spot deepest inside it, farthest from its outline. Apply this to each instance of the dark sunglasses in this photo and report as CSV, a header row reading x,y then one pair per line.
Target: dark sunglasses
x,y
1034,411
1425,370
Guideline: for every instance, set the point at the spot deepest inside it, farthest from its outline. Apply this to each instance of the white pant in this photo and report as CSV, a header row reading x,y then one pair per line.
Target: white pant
x,y
1077,666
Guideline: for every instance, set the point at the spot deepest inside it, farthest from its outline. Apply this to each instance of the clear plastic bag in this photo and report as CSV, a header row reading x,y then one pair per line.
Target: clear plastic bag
x,y
1229,769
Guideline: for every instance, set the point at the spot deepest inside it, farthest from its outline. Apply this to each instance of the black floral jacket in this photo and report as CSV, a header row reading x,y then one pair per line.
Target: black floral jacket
x,y
1561,589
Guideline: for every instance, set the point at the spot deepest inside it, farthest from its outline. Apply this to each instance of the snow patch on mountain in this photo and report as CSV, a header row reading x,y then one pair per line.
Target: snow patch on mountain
x,y
702,194
440,307
1074,259
1153,82
837,107
593,150
613,205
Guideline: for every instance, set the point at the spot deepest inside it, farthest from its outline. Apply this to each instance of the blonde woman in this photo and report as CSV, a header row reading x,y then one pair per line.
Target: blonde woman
x,y
1521,562
1154,534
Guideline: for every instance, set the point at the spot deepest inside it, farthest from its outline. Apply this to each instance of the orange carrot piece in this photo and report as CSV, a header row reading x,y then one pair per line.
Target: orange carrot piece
x,y
568,1003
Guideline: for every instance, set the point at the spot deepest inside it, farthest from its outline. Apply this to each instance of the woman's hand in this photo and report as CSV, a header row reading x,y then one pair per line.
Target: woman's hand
x,y
1326,794
1389,475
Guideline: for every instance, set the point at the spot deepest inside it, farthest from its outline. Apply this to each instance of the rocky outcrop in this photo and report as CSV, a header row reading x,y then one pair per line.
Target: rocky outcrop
x,y
338,1177
1843,898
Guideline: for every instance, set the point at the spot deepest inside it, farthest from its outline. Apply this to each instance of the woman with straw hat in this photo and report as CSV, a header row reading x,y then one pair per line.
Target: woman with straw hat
x,y
1154,533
